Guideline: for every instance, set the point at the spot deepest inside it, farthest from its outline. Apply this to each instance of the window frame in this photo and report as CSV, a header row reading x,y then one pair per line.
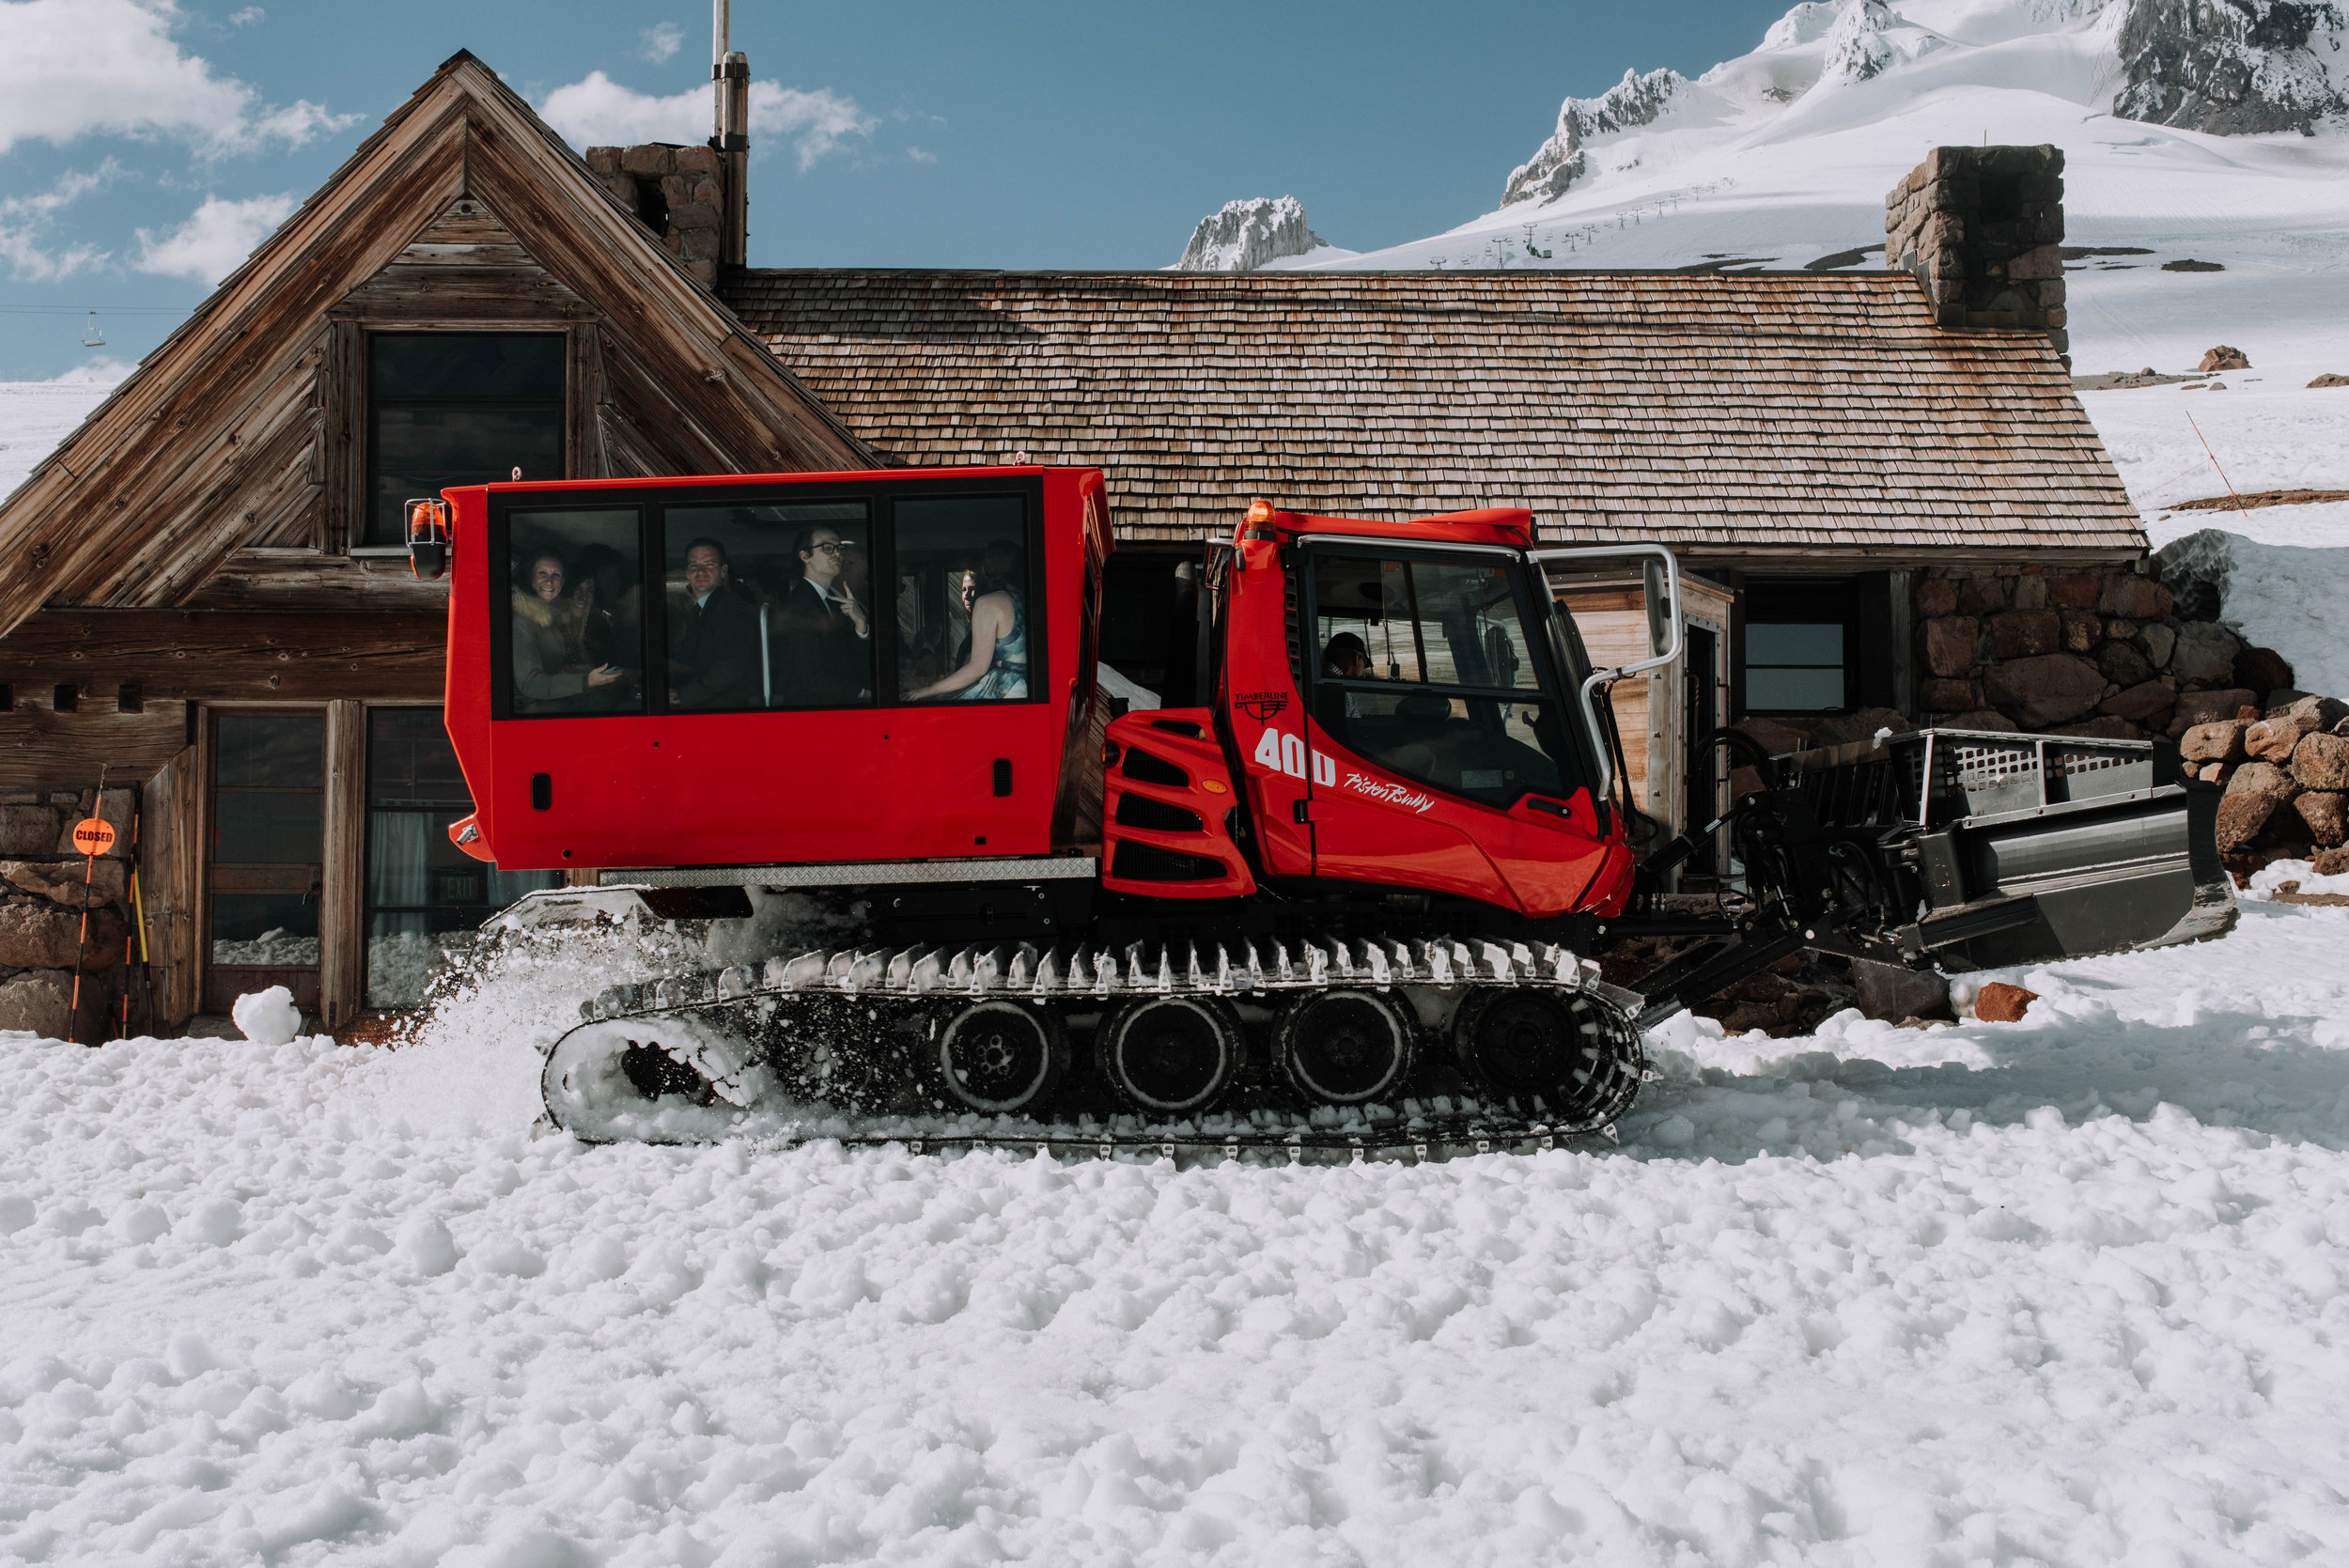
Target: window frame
x,y
653,504
1540,629
1840,596
370,465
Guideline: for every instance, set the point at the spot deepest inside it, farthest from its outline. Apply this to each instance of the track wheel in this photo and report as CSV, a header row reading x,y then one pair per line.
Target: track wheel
x,y
1171,1056
1529,1043
997,1057
1344,1047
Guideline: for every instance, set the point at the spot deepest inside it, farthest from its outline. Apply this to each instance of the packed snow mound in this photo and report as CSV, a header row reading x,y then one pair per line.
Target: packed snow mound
x,y
1247,235
268,1017
2287,598
2062,1291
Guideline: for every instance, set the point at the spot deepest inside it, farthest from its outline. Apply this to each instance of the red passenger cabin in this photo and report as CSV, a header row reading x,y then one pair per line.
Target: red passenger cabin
x,y
784,668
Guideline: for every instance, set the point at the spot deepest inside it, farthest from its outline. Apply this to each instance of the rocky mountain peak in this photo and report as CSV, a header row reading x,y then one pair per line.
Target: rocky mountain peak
x,y
1246,235
2238,69
1635,100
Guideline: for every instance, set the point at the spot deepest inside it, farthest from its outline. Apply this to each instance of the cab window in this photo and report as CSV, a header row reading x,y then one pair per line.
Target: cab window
x,y
768,606
965,605
574,611
1425,667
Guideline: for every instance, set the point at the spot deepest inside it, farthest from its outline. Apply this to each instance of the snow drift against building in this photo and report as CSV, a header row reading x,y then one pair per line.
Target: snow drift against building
x,y
1247,235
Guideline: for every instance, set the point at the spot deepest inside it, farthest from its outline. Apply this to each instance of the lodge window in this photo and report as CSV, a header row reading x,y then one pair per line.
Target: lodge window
x,y
830,601
1800,646
458,409
424,898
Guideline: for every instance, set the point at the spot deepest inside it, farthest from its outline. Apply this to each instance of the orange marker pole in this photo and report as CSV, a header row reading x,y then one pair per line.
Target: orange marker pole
x,y
93,835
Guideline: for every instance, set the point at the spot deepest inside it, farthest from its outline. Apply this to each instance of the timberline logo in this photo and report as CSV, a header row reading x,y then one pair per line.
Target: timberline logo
x,y
1392,794
1261,705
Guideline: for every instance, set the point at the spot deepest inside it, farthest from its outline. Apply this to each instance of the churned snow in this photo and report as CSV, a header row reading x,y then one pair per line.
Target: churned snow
x,y
2067,1291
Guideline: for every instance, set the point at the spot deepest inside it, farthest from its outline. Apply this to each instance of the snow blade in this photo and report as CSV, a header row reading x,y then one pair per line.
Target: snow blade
x,y
1962,849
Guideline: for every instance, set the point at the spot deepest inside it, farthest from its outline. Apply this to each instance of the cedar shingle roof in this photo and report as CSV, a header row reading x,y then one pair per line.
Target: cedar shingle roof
x,y
1724,413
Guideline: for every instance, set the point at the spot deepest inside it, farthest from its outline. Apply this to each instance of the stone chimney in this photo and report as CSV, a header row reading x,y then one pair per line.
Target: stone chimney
x,y
676,192
695,199
1981,227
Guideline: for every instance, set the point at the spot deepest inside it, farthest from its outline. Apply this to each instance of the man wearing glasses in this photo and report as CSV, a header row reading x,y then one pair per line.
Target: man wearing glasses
x,y
825,634
714,636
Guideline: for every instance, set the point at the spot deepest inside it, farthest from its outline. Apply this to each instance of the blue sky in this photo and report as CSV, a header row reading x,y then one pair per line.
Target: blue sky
x,y
144,146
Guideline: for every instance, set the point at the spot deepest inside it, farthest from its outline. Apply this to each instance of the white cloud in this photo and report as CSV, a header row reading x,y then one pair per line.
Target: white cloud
x,y
919,156
661,41
23,219
247,17
79,68
216,240
600,112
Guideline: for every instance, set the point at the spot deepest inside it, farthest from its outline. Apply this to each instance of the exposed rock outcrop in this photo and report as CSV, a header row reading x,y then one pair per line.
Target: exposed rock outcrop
x,y
1633,101
2236,69
1246,235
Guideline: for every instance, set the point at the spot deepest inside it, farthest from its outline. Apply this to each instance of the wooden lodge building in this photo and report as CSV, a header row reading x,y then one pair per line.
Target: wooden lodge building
x,y
207,596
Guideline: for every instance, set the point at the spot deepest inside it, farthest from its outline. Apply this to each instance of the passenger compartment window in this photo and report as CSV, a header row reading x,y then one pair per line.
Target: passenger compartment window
x,y
1424,668
964,599
768,606
575,611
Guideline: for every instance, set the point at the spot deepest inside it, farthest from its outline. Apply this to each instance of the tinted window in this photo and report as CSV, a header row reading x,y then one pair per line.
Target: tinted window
x,y
964,599
1425,667
1797,645
575,611
458,409
768,606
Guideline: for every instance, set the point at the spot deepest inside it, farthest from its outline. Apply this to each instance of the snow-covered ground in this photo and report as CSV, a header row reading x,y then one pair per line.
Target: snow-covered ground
x,y
35,416
2067,1291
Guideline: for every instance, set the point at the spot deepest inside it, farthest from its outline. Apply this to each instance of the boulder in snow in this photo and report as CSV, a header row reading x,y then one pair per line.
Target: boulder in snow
x,y
2325,813
2000,1003
2216,742
2322,762
2224,358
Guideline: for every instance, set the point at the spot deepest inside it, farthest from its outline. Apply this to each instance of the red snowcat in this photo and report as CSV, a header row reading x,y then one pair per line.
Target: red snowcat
x,y
1345,890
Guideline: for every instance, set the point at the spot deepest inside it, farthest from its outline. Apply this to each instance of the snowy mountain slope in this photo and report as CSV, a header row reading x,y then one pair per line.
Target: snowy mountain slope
x,y
2065,1291
35,416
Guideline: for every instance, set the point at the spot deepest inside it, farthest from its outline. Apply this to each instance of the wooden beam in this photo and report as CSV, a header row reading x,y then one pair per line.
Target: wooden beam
x,y
170,866
43,748
215,656
342,933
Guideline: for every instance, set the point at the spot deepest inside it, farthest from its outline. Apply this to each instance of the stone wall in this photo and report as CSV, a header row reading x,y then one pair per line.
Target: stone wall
x,y
1981,226
40,914
676,192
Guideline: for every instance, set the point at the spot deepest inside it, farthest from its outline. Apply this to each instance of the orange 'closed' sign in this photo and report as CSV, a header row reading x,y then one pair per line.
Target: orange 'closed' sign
x,y
93,835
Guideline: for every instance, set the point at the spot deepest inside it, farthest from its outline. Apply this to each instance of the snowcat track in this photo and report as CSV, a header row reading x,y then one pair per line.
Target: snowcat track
x,y
801,988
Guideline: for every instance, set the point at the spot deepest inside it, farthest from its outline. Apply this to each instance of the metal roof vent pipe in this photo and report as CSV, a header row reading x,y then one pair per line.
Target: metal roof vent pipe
x,y
1983,228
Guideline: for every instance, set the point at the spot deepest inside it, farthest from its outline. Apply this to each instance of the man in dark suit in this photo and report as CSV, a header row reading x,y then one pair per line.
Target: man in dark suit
x,y
713,637
824,654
